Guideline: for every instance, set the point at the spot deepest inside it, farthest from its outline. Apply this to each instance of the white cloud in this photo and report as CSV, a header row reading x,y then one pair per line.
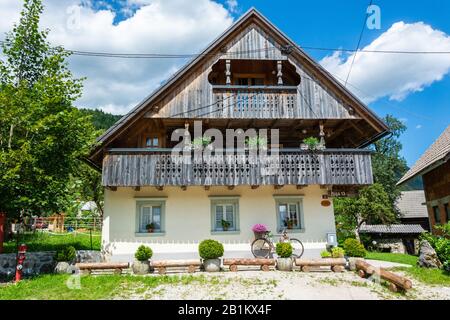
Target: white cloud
x,y
232,5
419,126
159,26
395,75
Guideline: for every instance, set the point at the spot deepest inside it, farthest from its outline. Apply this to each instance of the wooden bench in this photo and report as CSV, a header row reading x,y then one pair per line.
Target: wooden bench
x,y
162,265
263,263
336,264
117,267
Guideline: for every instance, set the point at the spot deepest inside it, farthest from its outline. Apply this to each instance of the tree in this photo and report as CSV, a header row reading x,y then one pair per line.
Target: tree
x,y
388,166
372,206
42,136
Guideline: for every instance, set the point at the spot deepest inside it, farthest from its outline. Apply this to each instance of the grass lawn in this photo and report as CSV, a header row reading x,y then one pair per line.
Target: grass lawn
x,y
49,242
393,257
54,287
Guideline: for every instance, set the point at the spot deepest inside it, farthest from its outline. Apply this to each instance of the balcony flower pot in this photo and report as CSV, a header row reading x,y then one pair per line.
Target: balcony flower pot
x,y
141,267
211,265
284,264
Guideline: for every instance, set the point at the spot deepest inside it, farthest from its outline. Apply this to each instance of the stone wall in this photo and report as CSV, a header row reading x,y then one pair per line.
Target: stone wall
x,y
41,262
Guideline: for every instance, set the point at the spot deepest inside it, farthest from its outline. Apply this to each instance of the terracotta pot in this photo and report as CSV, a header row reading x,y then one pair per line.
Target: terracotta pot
x,y
150,230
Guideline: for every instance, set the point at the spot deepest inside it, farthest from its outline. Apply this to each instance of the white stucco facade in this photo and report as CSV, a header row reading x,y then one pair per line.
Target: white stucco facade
x,y
187,217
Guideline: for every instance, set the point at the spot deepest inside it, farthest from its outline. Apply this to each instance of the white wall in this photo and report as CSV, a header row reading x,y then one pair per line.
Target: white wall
x,y
188,217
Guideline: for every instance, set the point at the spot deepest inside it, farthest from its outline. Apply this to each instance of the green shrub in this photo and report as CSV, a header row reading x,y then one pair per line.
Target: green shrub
x,y
143,253
67,254
354,248
440,243
337,252
210,249
311,142
284,249
325,254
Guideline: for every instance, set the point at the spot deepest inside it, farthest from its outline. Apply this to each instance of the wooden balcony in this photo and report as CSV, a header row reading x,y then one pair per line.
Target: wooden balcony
x,y
260,102
158,167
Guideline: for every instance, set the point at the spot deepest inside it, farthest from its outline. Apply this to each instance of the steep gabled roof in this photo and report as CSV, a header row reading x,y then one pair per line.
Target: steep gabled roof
x,y
250,15
437,153
411,204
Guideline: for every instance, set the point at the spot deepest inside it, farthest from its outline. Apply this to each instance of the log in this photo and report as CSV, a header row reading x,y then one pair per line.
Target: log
x,y
249,262
174,263
320,262
192,268
361,273
306,268
399,281
102,266
337,268
161,270
265,267
233,267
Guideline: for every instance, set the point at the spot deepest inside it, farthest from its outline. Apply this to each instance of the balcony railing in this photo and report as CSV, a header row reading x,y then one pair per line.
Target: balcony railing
x,y
146,167
255,102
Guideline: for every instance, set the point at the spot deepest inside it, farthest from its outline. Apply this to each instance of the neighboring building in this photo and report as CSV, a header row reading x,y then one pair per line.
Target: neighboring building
x,y
395,238
412,208
434,167
252,76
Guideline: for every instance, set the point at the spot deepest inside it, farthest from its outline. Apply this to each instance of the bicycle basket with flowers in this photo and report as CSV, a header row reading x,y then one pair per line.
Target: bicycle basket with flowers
x,y
259,230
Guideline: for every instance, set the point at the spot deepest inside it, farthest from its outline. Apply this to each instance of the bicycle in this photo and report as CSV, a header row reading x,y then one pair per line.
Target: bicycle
x,y
264,247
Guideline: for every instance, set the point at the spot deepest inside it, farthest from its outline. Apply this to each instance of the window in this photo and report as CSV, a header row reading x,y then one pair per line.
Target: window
x,y
447,212
224,214
437,214
150,212
289,213
152,142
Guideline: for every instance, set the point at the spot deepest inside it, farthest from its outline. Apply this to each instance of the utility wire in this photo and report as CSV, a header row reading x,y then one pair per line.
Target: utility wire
x,y
192,55
359,43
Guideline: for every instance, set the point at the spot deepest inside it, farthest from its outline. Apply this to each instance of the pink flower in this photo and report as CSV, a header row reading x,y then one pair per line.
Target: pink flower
x,y
259,228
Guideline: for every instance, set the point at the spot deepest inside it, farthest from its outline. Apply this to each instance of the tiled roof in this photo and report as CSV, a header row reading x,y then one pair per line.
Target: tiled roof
x,y
411,204
392,229
437,151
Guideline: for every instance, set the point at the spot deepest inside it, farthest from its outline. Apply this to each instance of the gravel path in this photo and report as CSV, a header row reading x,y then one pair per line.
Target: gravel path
x,y
281,285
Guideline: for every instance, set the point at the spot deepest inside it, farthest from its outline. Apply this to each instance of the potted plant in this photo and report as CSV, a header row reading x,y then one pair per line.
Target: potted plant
x,y
284,260
142,263
210,251
259,230
201,142
65,258
325,254
311,143
225,225
150,227
337,252
256,142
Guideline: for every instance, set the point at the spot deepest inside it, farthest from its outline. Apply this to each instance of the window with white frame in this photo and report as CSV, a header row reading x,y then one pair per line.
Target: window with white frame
x,y
150,216
224,215
289,213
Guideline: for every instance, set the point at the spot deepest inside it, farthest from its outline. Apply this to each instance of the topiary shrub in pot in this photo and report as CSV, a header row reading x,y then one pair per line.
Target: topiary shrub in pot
x,y
337,252
284,260
354,248
65,259
142,263
211,251
325,254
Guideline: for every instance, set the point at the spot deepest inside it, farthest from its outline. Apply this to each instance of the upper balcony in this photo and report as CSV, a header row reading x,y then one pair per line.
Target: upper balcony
x,y
159,167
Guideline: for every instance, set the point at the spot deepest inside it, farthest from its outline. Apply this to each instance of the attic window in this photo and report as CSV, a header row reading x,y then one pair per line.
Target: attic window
x,y
152,142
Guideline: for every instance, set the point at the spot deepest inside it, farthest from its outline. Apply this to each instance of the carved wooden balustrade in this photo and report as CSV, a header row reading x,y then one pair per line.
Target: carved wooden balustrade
x,y
159,167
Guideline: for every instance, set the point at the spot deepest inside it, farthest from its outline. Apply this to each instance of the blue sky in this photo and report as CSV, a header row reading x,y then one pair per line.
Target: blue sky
x,y
412,88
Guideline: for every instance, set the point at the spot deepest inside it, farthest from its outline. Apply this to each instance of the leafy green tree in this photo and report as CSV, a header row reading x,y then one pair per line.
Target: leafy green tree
x,y
42,135
387,163
371,206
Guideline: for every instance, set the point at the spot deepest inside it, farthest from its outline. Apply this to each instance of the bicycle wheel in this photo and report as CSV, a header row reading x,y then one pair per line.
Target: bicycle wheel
x,y
297,248
261,248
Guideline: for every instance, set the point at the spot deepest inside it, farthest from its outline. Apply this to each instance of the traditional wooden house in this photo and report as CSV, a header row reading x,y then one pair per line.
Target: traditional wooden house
x,y
252,76
434,167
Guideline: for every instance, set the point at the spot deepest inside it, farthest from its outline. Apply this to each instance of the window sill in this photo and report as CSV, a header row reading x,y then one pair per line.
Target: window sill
x,y
297,230
218,232
149,234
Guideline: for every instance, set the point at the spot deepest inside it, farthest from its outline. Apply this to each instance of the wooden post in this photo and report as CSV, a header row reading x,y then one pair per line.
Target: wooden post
x,y
280,73
228,71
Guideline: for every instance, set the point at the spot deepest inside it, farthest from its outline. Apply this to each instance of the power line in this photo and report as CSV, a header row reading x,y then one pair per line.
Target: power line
x,y
192,55
359,43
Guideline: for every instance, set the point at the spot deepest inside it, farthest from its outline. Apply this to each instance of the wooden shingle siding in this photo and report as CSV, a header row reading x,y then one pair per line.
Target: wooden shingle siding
x,y
291,168
195,97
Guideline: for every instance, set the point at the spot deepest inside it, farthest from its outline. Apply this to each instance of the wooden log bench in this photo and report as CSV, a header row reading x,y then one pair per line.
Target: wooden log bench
x,y
336,264
162,265
396,282
264,264
116,266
